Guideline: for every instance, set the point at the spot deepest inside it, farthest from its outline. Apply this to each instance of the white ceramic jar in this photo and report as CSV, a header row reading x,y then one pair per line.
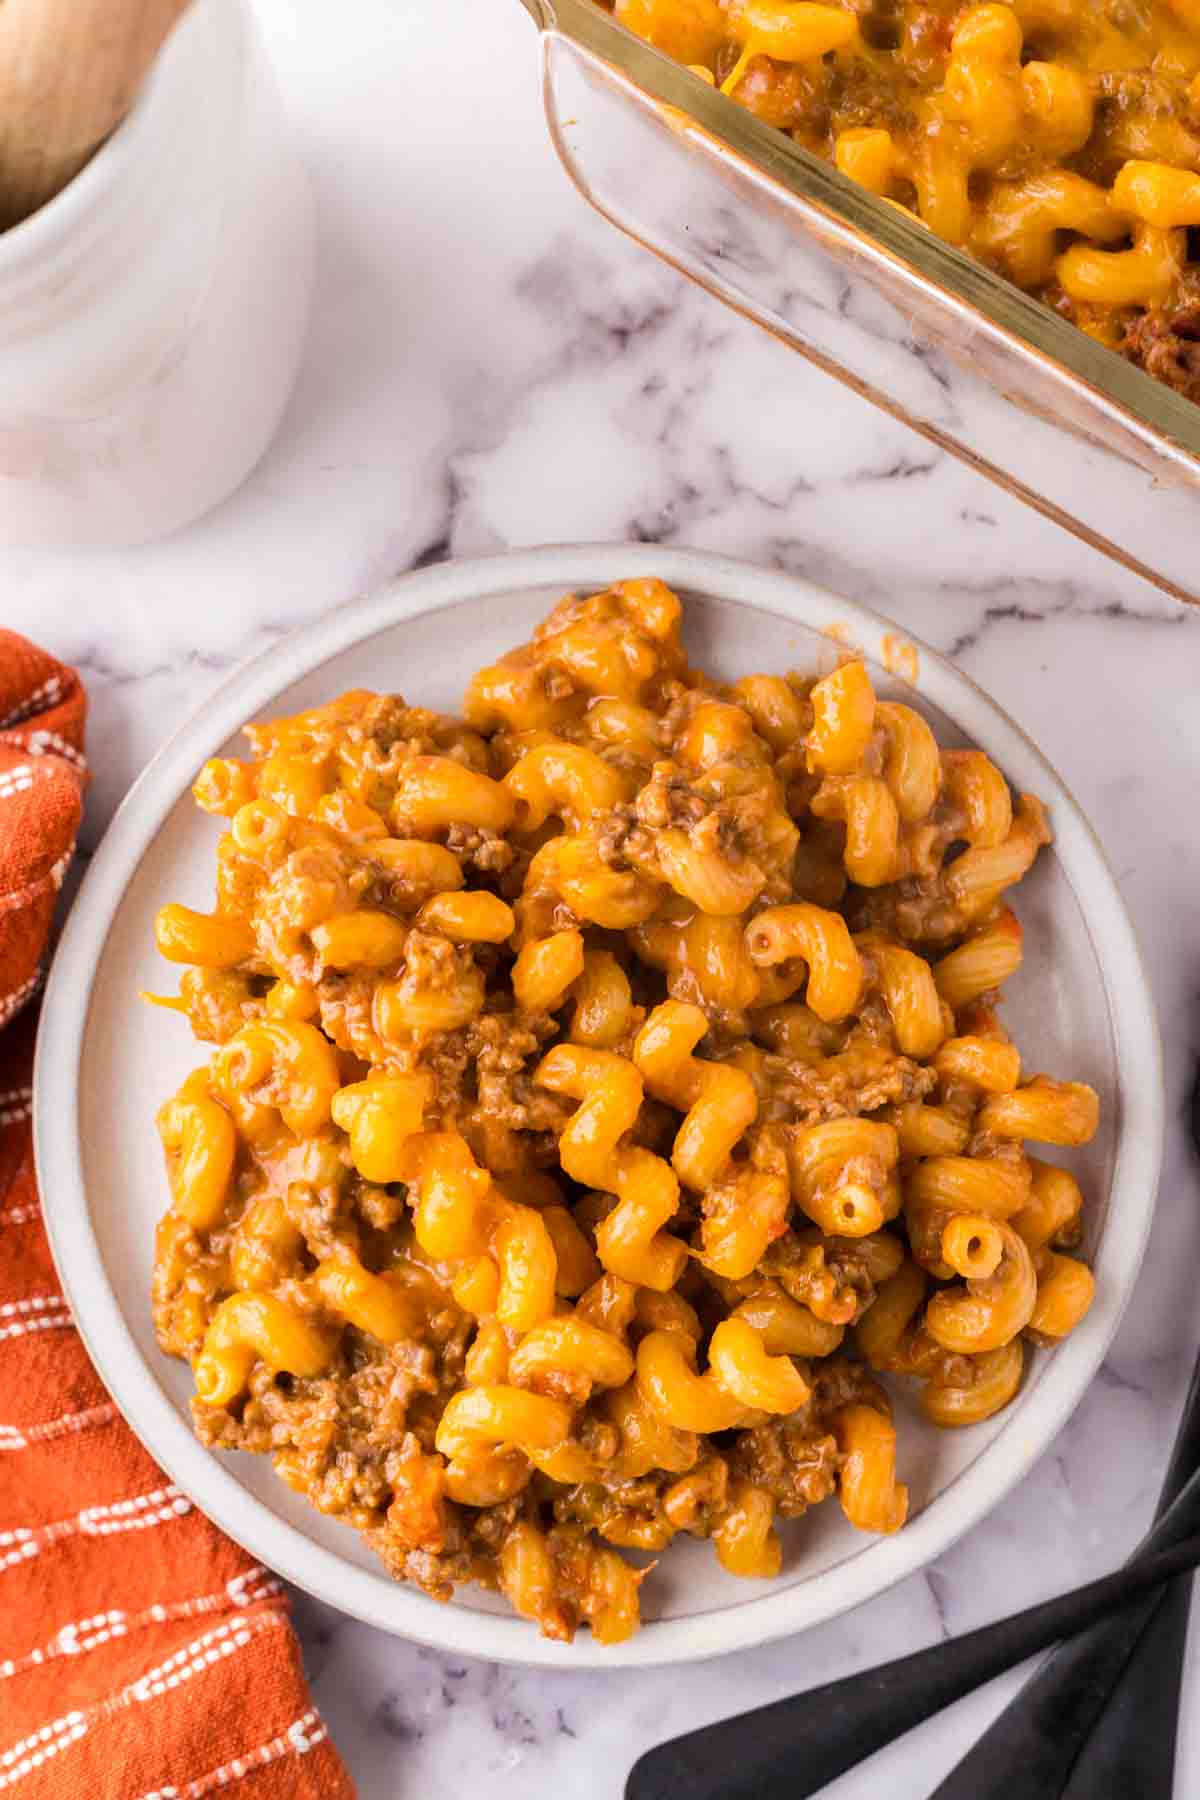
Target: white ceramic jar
x,y
152,315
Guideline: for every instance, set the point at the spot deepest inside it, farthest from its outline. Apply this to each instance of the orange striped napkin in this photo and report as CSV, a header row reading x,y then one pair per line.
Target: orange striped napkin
x,y
142,1655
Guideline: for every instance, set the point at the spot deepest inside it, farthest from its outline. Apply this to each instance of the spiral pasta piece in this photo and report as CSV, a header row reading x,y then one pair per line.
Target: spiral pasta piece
x,y
631,1240
821,939
740,1382
460,1216
990,1310
198,1136
565,781
719,1101
843,1174
872,1498
905,981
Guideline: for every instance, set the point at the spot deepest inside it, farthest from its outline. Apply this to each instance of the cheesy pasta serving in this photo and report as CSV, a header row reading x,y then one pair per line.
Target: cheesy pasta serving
x,y
1058,140
606,1089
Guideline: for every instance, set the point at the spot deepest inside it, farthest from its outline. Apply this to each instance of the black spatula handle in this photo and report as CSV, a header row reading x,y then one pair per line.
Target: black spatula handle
x,y
792,1748
1101,1714
1041,1745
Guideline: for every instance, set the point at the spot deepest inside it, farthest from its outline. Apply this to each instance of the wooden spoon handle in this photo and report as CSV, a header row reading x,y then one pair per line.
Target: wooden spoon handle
x,y
69,70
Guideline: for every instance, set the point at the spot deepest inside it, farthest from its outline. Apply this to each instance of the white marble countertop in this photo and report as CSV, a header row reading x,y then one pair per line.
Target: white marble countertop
x,y
491,365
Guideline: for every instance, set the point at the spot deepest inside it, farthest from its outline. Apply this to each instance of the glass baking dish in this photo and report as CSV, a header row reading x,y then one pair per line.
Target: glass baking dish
x,y
867,293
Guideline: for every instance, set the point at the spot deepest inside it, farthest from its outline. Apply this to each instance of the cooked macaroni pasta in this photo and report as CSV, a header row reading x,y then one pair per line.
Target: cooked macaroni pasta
x,y
605,1091
1058,143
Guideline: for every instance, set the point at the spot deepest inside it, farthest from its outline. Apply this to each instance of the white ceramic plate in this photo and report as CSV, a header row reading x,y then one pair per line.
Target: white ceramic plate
x,y
1080,1007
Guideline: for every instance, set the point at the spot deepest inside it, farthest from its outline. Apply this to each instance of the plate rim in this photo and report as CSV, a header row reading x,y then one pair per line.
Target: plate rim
x,y
211,1485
